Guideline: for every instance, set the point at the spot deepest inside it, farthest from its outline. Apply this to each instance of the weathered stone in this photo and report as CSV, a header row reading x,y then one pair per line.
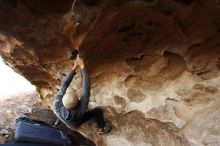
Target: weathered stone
x,y
3,132
135,95
121,102
147,59
205,89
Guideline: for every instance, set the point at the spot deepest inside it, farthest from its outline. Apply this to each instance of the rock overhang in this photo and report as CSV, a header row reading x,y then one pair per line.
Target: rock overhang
x,y
158,57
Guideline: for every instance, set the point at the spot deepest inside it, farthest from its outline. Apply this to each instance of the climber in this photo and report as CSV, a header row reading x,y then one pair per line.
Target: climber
x,y
72,111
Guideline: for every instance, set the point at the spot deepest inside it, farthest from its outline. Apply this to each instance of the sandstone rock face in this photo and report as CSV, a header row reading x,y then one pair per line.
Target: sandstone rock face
x,y
154,64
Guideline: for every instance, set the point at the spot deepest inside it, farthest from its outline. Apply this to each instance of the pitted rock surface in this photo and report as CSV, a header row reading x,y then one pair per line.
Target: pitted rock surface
x,y
154,64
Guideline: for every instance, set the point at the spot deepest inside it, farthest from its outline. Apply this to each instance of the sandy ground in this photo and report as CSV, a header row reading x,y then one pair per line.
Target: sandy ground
x,y
12,107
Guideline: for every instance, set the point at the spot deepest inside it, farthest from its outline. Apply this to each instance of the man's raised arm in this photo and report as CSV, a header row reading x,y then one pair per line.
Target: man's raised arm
x,y
67,80
84,100
57,103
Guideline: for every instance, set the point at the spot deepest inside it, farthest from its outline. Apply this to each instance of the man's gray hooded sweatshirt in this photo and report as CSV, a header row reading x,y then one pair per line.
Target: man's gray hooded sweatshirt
x,y
72,118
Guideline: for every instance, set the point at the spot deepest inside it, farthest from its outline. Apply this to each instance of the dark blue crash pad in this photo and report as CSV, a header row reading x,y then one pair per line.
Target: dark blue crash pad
x,y
35,133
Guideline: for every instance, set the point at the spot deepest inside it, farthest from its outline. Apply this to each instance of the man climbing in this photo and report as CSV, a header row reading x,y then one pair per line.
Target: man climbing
x,y
70,110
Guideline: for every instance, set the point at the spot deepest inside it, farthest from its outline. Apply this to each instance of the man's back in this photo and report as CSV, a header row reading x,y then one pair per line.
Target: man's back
x,y
72,116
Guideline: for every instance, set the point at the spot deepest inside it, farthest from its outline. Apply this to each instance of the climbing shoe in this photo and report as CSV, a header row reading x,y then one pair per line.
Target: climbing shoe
x,y
104,130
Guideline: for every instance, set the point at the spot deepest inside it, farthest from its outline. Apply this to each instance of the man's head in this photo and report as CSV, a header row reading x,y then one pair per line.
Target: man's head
x,y
70,99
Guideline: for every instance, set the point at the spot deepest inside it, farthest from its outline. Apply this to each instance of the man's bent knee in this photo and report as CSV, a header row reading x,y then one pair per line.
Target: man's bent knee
x,y
98,110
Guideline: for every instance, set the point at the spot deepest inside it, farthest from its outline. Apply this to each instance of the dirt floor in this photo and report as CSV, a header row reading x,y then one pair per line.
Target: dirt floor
x,y
28,104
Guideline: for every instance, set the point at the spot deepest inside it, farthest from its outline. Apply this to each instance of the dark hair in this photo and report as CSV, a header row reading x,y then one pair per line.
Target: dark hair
x,y
72,55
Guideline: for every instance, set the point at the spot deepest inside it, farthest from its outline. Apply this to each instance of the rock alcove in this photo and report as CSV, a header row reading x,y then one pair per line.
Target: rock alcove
x,y
154,64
